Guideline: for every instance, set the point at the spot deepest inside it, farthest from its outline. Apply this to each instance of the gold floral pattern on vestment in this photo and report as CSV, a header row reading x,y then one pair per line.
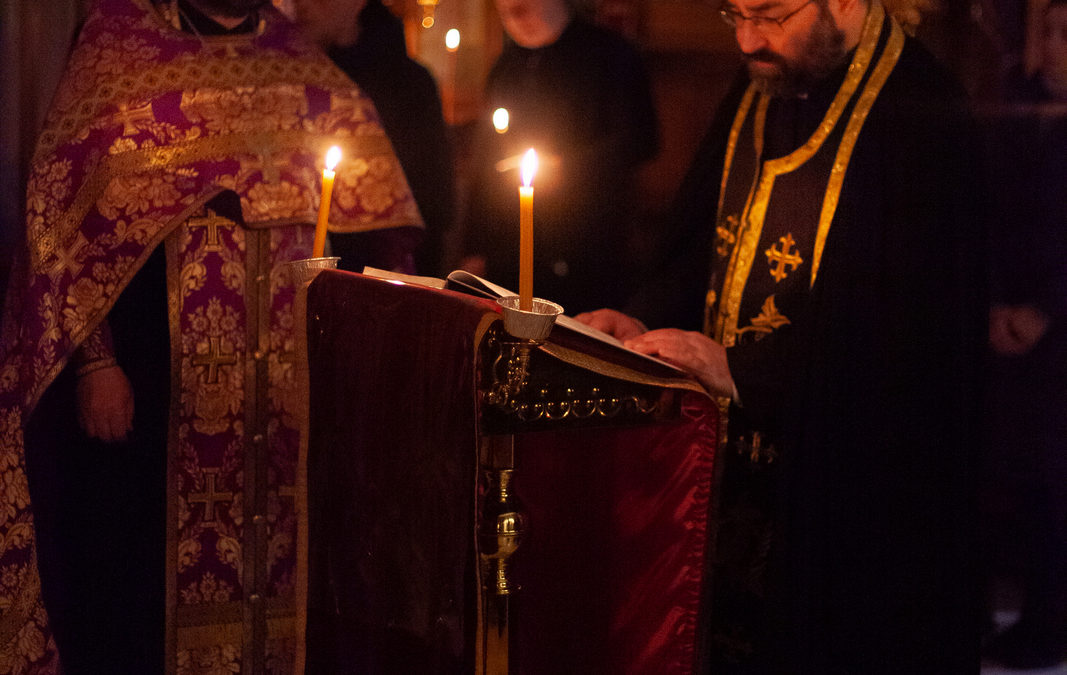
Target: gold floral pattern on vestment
x,y
145,78
768,319
118,187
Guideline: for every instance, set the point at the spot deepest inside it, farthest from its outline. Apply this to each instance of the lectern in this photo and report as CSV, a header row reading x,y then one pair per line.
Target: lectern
x,y
482,506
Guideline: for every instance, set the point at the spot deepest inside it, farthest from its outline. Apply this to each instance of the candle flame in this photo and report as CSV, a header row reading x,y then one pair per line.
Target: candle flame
x,y
452,39
501,120
529,167
333,156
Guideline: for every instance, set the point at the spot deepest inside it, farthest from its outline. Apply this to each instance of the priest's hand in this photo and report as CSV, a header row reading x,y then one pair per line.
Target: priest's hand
x,y
614,323
1014,330
693,352
105,404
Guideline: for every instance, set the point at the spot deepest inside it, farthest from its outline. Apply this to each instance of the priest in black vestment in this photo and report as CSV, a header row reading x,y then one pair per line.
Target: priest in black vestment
x,y
830,232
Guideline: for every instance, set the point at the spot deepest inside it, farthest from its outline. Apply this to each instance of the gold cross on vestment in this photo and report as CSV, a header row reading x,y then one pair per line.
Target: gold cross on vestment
x,y
212,221
129,117
213,359
66,258
209,496
778,258
726,233
270,163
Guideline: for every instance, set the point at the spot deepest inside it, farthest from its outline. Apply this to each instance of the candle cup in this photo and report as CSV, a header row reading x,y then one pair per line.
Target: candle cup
x,y
534,324
306,269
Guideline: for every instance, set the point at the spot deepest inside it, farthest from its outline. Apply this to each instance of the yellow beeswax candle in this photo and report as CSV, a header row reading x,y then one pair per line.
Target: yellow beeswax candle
x,y
332,158
526,243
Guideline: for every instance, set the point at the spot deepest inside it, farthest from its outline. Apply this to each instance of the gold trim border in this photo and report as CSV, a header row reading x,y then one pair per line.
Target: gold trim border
x,y
731,144
881,73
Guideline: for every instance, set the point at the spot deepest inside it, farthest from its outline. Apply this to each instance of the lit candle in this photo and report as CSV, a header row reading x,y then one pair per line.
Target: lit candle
x,y
500,120
529,168
332,158
451,45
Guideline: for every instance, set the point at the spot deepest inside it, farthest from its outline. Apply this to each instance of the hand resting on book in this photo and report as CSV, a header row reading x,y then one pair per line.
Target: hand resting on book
x,y
693,352
612,322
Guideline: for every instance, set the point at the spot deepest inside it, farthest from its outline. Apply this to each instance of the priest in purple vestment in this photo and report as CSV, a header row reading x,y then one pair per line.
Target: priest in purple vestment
x,y
151,417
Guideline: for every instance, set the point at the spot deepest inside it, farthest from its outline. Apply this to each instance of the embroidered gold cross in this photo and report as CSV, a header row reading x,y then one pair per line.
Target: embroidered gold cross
x,y
757,452
66,258
778,258
209,496
130,116
288,357
212,221
726,233
269,161
213,359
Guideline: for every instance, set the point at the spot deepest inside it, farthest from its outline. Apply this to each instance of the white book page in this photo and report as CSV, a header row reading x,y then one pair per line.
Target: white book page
x,y
489,288
430,282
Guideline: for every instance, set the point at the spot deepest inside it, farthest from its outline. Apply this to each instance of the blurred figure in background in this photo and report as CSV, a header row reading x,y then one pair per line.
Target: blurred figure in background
x,y
1049,83
1026,496
366,40
579,95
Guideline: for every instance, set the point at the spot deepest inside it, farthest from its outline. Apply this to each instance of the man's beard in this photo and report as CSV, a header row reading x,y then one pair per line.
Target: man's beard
x,y
234,9
822,51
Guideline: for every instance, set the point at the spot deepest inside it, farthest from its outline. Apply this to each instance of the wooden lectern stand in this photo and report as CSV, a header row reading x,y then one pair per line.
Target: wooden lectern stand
x,y
468,518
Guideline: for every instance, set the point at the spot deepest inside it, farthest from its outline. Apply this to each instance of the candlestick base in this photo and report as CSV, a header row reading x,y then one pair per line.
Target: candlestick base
x,y
306,269
533,324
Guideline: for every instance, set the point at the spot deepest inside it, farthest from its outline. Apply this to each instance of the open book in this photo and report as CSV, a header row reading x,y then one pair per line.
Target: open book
x,y
465,282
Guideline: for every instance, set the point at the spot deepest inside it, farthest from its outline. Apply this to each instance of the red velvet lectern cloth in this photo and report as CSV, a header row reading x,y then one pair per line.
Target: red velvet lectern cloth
x,y
613,563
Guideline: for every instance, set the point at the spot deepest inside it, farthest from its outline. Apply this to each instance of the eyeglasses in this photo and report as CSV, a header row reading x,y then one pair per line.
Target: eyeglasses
x,y
766,25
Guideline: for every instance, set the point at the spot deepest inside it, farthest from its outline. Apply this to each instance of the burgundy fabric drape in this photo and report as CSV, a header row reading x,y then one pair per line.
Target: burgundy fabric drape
x,y
611,568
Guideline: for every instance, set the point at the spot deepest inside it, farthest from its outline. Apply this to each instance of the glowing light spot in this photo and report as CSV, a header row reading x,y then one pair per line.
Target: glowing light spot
x,y
452,39
501,120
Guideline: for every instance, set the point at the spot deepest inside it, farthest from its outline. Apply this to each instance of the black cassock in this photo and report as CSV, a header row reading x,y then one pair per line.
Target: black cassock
x,y
846,537
585,105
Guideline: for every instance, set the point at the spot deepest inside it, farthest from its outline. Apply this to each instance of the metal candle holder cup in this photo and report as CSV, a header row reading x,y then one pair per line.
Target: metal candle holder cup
x,y
526,330
306,269
535,324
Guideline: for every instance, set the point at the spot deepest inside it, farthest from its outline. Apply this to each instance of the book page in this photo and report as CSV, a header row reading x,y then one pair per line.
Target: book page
x,y
463,281
429,282
478,284
489,289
